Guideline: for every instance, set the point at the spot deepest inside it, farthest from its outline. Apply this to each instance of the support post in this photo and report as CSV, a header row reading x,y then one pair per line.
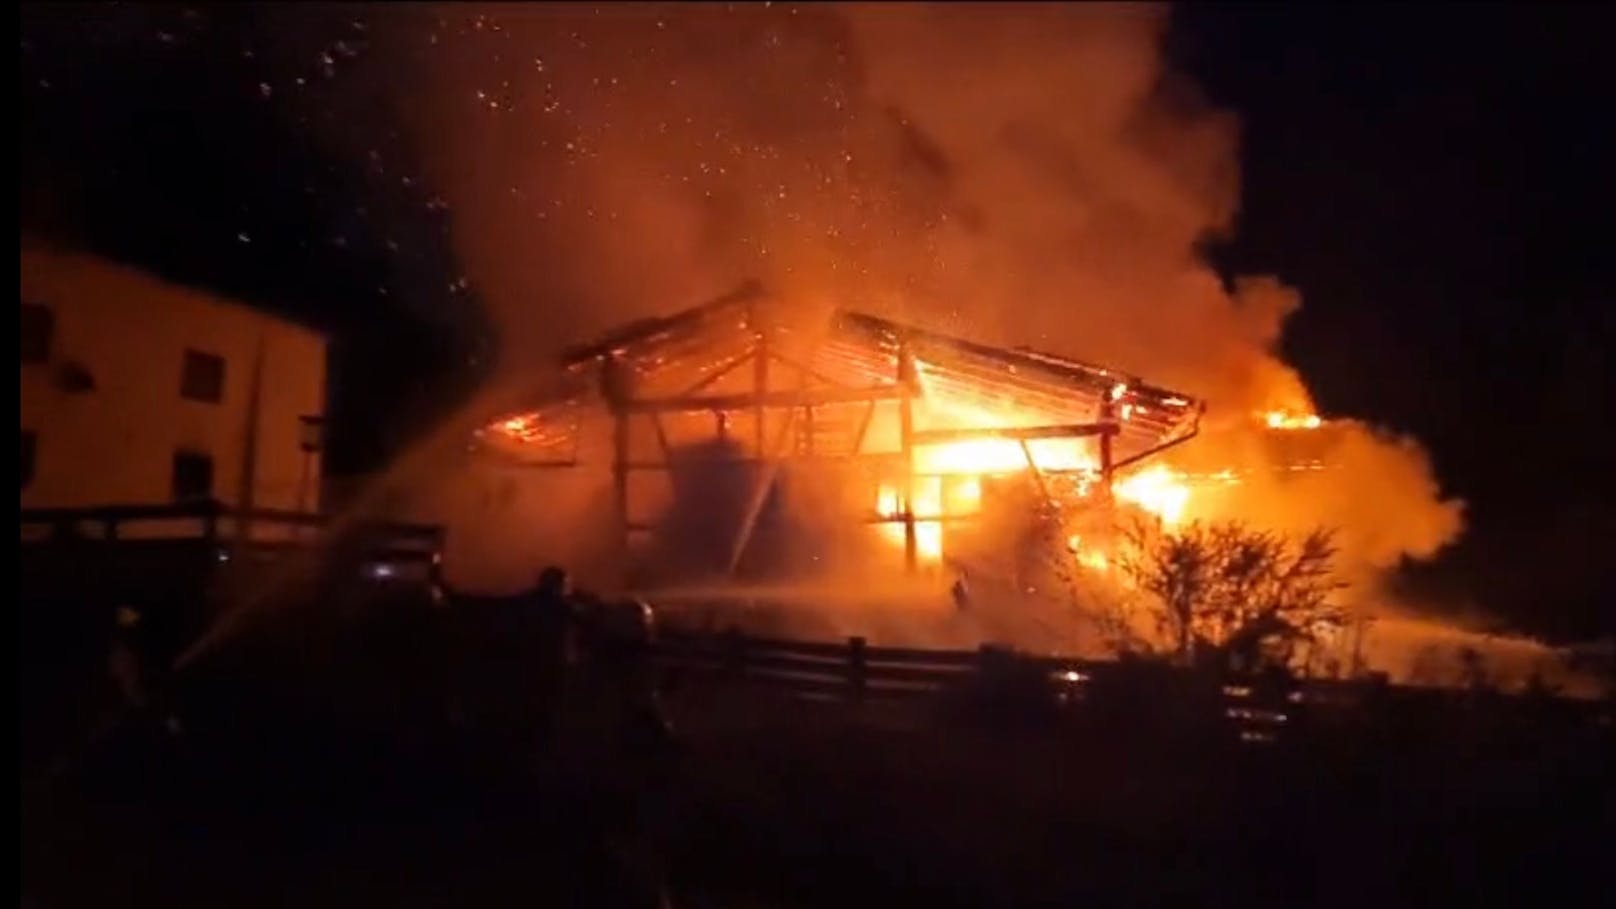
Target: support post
x,y
620,483
614,388
1108,416
1037,475
906,430
863,428
760,386
857,668
662,439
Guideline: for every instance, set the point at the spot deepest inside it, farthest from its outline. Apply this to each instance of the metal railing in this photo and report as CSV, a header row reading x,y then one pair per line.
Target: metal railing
x,y
257,530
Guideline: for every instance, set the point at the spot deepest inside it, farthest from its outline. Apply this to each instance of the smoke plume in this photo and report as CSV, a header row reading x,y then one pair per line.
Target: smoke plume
x,y
1026,174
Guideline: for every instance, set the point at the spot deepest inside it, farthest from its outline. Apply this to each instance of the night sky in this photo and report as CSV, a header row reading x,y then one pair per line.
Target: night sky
x,y
1437,181
1434,180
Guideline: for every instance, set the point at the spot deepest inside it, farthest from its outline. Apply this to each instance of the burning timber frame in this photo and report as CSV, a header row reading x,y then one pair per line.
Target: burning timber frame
x,y
862,360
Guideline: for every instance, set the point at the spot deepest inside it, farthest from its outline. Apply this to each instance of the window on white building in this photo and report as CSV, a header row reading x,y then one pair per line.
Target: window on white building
x,y
38,332
202,378
30,445
193,476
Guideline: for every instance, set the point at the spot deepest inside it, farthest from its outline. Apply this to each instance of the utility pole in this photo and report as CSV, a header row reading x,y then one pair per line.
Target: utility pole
x,y
247,481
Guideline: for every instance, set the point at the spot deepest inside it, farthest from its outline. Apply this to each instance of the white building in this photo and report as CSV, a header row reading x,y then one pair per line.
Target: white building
x,y
135,391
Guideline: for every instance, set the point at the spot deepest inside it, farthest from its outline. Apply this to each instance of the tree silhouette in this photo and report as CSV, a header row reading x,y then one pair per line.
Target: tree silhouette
x,y
1231,594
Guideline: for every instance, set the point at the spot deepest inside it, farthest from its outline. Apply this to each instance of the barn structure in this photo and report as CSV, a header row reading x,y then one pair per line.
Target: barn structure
x,y
728,421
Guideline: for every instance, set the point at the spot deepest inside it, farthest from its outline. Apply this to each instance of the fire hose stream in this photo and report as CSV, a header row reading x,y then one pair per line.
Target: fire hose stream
x,y
760,495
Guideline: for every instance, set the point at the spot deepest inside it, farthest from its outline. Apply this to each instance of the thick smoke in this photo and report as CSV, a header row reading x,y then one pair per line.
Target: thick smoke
x,y
1029,174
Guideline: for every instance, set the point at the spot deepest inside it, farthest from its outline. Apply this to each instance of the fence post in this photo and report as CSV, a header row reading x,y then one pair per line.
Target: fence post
x,y
439,543
987,656
857,668
210,521
734,653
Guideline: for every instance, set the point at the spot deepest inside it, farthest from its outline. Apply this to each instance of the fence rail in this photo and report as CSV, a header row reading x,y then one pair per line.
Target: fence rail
x,y
1249,709
111,516
273,530
853,668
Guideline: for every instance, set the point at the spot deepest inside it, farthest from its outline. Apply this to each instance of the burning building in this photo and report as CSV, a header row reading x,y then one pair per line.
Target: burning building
x,y
1048,180
840,468
738,442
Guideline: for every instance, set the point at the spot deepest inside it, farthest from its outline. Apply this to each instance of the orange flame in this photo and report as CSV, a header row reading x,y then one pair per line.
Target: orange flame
x,y
1284,419
1160,490
958,466
1089,557
521,427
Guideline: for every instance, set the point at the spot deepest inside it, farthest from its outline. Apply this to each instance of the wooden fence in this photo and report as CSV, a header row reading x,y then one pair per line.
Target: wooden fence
x,y
852,671
1253,710
856,671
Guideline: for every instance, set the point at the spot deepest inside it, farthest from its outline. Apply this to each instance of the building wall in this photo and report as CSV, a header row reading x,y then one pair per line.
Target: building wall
x,y
113,440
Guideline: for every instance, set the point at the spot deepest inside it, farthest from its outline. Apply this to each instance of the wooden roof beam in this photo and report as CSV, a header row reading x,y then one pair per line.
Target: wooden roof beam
x,y
816,397
1020,433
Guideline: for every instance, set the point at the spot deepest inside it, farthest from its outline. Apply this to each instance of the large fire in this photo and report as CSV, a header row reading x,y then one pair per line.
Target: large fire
x,y
782,154
948,479
1160,491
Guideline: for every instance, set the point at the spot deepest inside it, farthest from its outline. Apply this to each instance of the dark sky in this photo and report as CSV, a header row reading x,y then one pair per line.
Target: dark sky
x,y
1435,180
152,134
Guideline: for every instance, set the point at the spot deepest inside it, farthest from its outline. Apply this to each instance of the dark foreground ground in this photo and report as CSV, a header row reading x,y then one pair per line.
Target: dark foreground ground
x,y
337,786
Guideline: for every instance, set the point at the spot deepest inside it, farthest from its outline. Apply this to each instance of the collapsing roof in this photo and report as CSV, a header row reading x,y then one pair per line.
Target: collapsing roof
x,y
674,364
